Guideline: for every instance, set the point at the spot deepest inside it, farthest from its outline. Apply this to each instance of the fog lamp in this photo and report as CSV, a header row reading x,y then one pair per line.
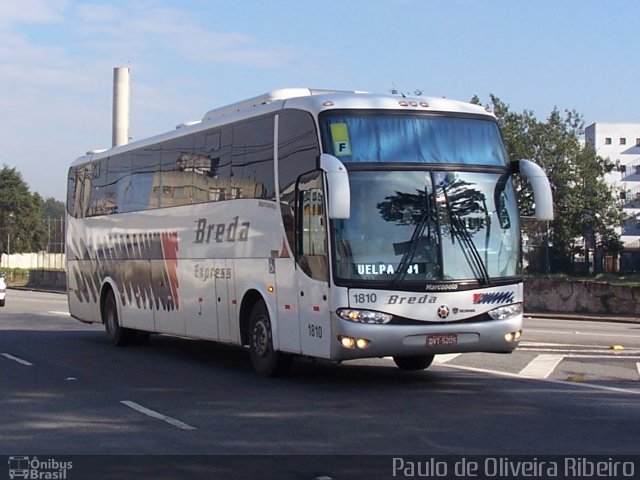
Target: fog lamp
x,y
347,342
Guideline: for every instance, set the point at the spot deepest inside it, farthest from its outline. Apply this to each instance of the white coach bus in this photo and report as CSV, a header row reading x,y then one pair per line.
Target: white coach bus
x,y
335,225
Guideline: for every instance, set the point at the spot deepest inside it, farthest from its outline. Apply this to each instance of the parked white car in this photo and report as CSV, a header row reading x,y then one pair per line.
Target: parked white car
x,y
3,288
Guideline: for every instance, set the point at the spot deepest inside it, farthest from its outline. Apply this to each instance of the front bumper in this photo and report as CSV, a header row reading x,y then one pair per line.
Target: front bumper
x,y
408,340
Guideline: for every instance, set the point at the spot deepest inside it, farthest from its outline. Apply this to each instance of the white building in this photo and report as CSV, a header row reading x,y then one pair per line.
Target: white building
x,y
620,143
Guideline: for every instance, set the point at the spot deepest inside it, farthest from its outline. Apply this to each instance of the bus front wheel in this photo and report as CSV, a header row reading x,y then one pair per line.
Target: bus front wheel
x,y
417,362
265,360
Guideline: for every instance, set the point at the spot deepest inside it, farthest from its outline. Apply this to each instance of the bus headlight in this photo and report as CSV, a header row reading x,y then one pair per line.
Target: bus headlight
x,y
363,316
503,313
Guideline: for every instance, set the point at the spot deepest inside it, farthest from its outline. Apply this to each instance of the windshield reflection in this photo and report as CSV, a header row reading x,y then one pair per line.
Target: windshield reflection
x,y
411,227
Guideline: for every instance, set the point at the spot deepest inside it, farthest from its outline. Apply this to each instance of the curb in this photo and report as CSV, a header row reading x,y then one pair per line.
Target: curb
x,y
590,317
35,289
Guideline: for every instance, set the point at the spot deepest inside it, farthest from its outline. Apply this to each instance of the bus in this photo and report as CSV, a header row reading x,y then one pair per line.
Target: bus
x,y
327,224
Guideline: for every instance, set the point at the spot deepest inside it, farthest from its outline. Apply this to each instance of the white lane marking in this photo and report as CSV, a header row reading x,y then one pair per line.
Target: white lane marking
x,y
66,314
444,358
598,333
638,367
602,356
602,352
16,359
550,380
159,416
576,349
559,345
541,366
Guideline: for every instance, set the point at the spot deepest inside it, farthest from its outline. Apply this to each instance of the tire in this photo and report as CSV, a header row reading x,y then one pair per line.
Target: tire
x,y
417,362
2,302
265,360
116,335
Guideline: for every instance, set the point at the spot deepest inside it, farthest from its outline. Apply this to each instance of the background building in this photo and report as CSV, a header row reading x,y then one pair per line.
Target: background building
x,y
620,143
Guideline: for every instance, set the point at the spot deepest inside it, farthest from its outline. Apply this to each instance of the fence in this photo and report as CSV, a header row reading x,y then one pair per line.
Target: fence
x,y
33,261
55,228
51,257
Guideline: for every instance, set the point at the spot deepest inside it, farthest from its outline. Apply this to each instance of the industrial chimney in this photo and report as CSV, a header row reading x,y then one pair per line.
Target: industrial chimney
x,y
121,106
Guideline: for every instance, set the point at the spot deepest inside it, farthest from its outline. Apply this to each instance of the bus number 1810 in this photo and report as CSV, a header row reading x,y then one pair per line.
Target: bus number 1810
x,y
365,298
315,331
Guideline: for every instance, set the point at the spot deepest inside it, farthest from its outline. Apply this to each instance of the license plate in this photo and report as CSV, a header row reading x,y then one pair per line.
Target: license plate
x,y
442,339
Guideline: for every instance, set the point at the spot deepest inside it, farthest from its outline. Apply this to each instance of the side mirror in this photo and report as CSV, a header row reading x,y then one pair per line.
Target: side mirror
x,y
339,192
542,195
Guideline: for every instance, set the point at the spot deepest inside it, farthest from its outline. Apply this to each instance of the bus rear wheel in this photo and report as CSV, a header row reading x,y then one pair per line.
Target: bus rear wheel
x,y
116,334
417,362
265,360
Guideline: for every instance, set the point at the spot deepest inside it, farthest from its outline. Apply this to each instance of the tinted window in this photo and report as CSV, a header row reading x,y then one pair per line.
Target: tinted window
x,y
118,186
99,203
252,159
312,252
145,179
84,176
71,191
234,161
298,149
177,172
298,153
384,137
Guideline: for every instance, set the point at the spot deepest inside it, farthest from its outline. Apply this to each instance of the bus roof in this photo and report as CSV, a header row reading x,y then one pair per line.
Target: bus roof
x,y
312,100
319,100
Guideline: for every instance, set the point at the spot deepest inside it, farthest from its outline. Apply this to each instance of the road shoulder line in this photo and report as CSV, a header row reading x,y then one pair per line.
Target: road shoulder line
x,y
550,380
153,414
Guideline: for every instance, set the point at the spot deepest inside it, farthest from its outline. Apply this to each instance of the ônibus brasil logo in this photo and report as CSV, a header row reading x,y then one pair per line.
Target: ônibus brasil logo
x,y
36,469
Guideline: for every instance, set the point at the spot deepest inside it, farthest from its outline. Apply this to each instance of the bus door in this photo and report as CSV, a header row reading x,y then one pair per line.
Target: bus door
x,y
223,300
312,266
206,308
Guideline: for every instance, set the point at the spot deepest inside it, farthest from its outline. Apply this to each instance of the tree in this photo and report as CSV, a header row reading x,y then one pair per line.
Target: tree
x,y
21,228
585,205
52,208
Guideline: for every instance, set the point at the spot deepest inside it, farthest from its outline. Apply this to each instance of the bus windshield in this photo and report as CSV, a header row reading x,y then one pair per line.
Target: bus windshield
x,y
408,228
420,138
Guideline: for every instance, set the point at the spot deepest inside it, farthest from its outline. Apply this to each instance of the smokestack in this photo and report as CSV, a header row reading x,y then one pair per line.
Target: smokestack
x,y
121,106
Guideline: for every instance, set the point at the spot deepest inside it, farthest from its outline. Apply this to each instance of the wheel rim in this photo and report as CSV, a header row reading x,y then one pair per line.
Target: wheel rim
x,y
110,320
260,338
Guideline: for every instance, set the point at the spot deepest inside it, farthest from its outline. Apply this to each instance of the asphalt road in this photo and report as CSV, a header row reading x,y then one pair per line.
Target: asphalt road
x,y
572,388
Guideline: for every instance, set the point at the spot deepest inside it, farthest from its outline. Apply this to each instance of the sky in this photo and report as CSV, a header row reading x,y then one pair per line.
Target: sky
x,y
189,56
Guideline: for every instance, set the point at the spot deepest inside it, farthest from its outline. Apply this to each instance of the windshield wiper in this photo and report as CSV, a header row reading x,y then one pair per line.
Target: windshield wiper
x,y
410,247
471,254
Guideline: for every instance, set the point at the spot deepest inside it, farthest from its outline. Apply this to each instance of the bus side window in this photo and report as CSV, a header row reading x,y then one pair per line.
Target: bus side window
x,y
252,159
312,250
98,199
298,153
223,170
258,158
118,188
177,172
83,189
145,179
72,192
